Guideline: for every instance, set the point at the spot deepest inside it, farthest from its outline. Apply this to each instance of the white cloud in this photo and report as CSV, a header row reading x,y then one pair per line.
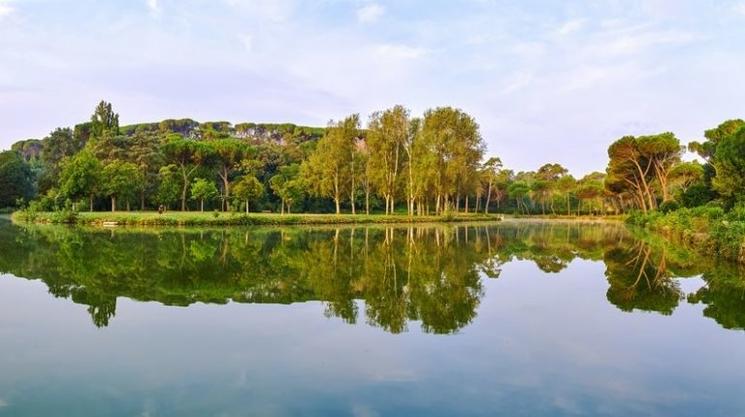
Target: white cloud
x,y
5,9
571,26
153,6
3,403
739,8
370,13
400,51
247,41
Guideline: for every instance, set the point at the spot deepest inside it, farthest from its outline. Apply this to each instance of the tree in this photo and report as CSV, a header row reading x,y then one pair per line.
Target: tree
x,y
81,177
202,189
453,139
329,168
104,120
169,188
248,188
566,185
288,185
121,180
187,155
228,154
145,152
60,144
629,169
729,162
519,190
706,149
663,151
490,170
16,180
387,135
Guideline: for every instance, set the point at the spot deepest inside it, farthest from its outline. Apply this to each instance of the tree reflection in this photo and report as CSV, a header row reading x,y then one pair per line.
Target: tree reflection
x,y
394,276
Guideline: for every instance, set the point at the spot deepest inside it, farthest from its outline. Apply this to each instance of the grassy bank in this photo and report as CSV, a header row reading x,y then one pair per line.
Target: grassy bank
x,y
232,219
709,230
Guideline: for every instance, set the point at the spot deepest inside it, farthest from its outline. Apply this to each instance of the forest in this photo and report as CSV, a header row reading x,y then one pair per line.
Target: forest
x,y
393,162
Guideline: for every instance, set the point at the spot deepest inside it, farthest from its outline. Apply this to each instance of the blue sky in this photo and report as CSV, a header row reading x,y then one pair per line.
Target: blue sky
x,y
546,80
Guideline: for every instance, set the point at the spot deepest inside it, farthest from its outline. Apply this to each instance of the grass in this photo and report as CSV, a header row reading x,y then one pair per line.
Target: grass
x,y
176,218
708,230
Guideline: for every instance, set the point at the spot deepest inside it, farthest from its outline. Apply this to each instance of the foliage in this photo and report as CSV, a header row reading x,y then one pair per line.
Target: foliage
x,y
16,180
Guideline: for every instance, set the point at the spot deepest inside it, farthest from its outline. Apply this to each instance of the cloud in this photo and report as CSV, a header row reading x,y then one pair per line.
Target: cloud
x,y
5,9
153,6
247,41
571,26
3,403
370,13
739,8
400,51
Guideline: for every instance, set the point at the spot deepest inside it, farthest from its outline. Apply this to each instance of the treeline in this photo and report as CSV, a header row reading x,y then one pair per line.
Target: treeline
x,y
393,162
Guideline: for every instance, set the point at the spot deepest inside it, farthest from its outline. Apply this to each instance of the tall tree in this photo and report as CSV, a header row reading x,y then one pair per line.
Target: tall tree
x,y
453,139
81,177
187,155
387,134
202,189
16,180
729,162
490,170
288,185
228,155
248,188
104,120
329,167
121,180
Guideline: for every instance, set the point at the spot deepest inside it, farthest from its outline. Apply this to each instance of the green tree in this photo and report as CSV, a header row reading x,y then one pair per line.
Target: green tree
x,y
16,180
187,155
288,185
248,188
729,162
202,189
490,170
81,177
145,152
104,120
169,187
329,168
387,134
121,180
228,155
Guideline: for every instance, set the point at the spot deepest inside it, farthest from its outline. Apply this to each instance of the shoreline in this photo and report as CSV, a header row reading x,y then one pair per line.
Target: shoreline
x,y
154,219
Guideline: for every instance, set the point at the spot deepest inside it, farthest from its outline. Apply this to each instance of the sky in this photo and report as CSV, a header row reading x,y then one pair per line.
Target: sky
x,y
547,81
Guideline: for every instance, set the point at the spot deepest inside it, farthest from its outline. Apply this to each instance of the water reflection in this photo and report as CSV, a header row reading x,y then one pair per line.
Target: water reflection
x,y
431,275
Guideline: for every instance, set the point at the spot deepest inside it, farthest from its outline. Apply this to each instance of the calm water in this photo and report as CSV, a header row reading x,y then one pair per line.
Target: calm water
x,y
533,319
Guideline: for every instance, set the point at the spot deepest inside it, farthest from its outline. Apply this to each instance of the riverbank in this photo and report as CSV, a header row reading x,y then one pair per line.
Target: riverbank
x,y
234,219
708,230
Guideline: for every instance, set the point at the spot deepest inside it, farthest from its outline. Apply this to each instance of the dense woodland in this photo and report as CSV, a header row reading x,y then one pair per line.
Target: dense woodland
x,y
391,163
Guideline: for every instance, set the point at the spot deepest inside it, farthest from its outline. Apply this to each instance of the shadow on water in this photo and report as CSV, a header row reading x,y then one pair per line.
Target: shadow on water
x,y
432,274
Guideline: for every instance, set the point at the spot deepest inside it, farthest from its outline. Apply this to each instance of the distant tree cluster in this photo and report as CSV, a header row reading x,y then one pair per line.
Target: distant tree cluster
x,y
393,162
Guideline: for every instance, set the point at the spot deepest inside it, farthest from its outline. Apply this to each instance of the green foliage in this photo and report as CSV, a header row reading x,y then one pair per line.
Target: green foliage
x,y
121,180
16,180
202,189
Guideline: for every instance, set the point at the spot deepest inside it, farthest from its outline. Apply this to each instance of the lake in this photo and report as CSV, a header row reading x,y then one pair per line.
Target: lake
x,y
517,319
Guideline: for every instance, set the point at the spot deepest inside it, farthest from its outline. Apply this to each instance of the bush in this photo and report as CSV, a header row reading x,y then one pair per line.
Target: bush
x,y
668,206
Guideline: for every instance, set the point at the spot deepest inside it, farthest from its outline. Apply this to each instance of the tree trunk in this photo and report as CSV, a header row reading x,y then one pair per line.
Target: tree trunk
x,y
91,203
201,205
127,204
113,204
246,206
142,200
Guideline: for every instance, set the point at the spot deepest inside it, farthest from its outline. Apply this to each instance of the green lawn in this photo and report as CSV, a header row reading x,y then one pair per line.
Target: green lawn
x,y
176,218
